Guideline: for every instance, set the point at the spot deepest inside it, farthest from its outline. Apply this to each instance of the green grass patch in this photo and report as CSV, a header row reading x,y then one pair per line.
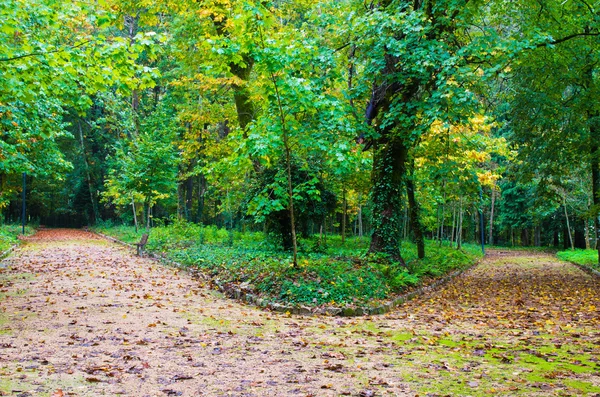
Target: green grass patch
x,y
582,257
332,273
9,235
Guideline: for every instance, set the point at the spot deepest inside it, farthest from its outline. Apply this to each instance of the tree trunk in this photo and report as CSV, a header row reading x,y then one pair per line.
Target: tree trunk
x,y
586,229
414,212
135,222
89,177
442,220
491,232
189,197
595,165
405,224
180,201
344,209
568,223
389,169
147,208
454,224
131,23
459,234
321,236
360,221
579,235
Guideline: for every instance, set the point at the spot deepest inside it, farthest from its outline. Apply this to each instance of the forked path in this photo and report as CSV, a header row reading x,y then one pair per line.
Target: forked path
x,y
83,317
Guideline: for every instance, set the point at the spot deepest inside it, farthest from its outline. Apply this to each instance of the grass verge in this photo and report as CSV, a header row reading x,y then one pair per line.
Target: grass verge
x,y
327,273
9,235
580,256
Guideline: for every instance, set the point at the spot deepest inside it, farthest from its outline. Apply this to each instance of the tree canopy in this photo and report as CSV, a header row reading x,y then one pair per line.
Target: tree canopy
x,y
396,119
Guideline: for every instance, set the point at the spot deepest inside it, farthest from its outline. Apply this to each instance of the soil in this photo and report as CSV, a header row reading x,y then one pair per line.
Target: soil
x,y
80,316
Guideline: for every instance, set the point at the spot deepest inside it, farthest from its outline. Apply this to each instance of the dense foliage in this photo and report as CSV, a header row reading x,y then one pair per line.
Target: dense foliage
x,y
337,274
400,120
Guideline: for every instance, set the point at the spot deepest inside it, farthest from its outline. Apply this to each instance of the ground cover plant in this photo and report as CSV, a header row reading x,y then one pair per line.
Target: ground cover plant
x,y
334,274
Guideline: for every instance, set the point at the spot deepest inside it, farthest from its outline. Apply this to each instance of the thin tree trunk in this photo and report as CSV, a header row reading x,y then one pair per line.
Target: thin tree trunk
x,y
460,223
87,171
321,235
454,224
131,24
442,220
344,209
147,216
135,222
360,221
414,211
595,165
491,232
189,196
405,224
568,224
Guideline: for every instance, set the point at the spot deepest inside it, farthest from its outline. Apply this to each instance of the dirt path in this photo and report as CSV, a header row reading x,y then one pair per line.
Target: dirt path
x,y
82,317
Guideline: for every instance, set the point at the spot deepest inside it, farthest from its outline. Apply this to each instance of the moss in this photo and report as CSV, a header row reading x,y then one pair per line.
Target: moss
x,y
402,336
580,385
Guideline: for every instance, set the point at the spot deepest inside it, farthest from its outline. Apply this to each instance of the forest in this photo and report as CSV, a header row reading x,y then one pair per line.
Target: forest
x,y
300,197
390,121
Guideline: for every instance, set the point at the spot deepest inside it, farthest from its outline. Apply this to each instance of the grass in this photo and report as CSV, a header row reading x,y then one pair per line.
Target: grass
x,y
9,234
583,257
335,273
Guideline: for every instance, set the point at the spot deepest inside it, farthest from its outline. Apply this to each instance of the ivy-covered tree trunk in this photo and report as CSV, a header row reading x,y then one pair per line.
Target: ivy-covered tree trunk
x,y
243,104
389,169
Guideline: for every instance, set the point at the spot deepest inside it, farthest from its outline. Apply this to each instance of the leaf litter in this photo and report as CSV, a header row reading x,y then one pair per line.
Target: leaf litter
x,y
83,317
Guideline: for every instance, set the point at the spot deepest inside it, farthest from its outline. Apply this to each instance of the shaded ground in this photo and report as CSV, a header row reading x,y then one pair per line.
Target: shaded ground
x,y
82,317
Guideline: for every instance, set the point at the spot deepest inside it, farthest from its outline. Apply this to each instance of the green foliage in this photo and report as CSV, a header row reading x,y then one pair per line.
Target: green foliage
x,y
339,275
145,168
54,57
313,200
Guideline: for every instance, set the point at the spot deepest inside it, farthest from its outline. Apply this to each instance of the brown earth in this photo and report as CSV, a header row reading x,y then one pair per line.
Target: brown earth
x,y
83,317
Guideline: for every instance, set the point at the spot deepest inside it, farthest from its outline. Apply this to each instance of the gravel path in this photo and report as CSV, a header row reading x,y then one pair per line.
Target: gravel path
x,y
83,317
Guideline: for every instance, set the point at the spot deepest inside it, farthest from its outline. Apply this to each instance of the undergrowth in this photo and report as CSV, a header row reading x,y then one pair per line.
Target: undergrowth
x,y
331,273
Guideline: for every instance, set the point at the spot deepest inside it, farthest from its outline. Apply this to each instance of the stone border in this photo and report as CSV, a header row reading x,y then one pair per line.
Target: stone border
x,y
8,251
588,269
246,294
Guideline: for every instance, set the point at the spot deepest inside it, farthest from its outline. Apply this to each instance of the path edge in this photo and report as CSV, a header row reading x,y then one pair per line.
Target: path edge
x,y
8,251
588,269
248,296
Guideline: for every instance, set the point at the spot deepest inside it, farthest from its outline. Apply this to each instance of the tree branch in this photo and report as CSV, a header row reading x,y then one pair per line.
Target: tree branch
x,y
567,38
35,54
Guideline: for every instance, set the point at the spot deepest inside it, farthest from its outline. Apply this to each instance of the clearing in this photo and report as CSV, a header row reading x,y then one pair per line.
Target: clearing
x,y
83,317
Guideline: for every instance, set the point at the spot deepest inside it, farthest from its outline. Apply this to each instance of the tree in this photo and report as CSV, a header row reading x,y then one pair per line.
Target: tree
x,y
145,168
415,56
